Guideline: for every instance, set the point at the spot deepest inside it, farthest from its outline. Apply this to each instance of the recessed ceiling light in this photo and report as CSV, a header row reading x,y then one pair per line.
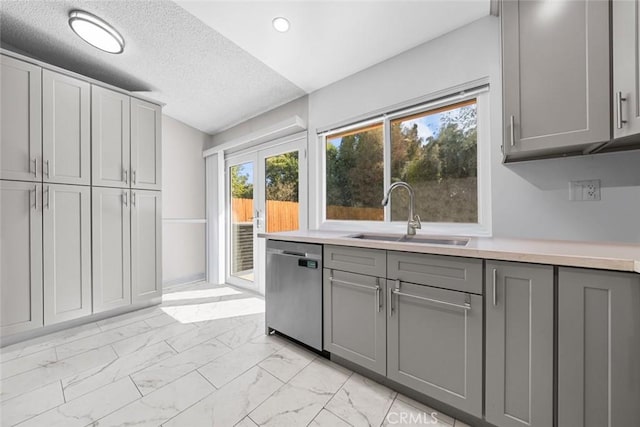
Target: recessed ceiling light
x,y
281,24
96,32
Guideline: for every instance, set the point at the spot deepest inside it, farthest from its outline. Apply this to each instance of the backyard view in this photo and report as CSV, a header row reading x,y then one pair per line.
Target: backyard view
x,y
434,151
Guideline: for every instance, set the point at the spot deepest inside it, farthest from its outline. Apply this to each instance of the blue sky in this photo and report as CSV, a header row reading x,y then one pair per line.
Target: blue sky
x,y
246,169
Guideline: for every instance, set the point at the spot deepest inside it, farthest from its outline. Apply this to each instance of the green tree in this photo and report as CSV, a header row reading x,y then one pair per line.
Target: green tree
x,y
282,177
241,188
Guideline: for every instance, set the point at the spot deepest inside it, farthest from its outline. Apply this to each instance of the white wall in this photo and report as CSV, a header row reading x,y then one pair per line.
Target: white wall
x,y
529,199
183,202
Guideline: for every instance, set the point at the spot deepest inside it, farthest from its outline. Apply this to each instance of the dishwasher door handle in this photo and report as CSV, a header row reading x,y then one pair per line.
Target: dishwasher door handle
x,y
293,254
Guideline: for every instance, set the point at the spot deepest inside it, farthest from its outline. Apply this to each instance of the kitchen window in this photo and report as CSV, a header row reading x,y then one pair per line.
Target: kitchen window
x,y
434,147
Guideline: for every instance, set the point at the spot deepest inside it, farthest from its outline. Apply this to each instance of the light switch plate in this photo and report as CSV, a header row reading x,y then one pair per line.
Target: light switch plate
x,y
588,190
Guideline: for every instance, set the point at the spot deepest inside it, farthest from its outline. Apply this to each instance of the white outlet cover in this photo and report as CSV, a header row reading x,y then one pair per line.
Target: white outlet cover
x,y
587,190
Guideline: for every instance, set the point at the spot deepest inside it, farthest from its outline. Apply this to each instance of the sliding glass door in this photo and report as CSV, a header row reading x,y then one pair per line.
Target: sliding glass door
x,y
266,192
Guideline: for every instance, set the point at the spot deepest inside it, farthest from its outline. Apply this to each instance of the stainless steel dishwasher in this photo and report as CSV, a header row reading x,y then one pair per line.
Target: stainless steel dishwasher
x,y
293,294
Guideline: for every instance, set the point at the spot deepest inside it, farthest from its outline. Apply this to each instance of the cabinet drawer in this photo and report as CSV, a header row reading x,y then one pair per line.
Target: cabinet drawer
x,y
458,274
372,262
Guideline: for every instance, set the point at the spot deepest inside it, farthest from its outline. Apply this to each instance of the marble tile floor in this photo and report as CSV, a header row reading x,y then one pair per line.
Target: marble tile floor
x,y
199,359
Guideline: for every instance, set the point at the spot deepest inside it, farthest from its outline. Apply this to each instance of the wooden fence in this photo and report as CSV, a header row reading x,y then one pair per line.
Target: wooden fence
x,y
283,216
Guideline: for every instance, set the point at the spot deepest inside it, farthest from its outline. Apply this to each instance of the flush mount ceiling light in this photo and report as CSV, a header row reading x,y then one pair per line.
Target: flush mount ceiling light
x,y
96,32
281,24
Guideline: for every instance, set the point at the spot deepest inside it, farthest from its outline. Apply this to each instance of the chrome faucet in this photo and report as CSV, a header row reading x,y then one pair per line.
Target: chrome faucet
x,y
414,220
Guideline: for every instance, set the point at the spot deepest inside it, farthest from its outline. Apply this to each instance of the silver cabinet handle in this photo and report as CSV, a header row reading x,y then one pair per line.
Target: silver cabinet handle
x,y
35,197
357,285
48,198
124,198
133,177
512,129
125,173
495,281
378,308
35,167
465,306
133,198
46,162
390,302
619,99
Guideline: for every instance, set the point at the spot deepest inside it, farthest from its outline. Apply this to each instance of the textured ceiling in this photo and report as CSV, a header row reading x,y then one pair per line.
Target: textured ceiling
x,y
330,40
205,80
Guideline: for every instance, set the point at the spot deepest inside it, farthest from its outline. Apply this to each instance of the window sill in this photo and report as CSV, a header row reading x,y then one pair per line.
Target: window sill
x,y
428,228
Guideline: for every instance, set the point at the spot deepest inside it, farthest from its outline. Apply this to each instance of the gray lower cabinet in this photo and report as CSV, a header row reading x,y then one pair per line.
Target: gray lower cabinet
x,y
626,79
111,217
434,343
556,87
146,147
66,136
21,119
110,138
519,344
354,318
20,257
146,246
67,252
598,348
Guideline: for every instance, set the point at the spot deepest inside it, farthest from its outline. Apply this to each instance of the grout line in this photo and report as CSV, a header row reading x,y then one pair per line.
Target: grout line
x,y
136,386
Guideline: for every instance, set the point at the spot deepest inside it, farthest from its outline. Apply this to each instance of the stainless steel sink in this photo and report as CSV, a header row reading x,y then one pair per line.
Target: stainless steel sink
x,y
425,240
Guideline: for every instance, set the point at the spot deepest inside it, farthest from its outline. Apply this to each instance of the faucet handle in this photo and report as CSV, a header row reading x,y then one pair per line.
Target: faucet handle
x,y
416,222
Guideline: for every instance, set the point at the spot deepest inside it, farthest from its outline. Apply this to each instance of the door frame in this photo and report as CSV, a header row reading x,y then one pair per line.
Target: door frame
x,y
218,248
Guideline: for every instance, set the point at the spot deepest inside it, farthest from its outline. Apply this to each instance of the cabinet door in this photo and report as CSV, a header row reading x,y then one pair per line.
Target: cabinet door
x,y
146,147
146,246
67,252
598,348
555,76
20,120
354,319
434,343
21,257
519,343
111,231
66,143
626,60
110,123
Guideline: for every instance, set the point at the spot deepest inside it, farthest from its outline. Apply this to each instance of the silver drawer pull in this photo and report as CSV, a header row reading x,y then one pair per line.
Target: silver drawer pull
x,y
465,306
357,285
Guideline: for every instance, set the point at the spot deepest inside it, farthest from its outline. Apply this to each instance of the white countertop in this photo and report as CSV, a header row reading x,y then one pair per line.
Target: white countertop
x,y
604,256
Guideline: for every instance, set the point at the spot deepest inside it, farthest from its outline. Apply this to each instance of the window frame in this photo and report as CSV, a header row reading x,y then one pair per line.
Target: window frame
x,y
481,228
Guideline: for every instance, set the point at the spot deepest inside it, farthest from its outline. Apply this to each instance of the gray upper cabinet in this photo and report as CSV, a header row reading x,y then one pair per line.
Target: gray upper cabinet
x,y
556,85
434,339
598,348
67,252
626,79
146,246
354,318
20,120
519,344
20,256
145,145
66,137
110,131
111,217
372,262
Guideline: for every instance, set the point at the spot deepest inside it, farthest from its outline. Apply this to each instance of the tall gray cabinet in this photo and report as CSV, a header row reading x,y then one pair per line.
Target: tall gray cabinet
x,y
81,232
598,348
555,58
21,256
519,344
